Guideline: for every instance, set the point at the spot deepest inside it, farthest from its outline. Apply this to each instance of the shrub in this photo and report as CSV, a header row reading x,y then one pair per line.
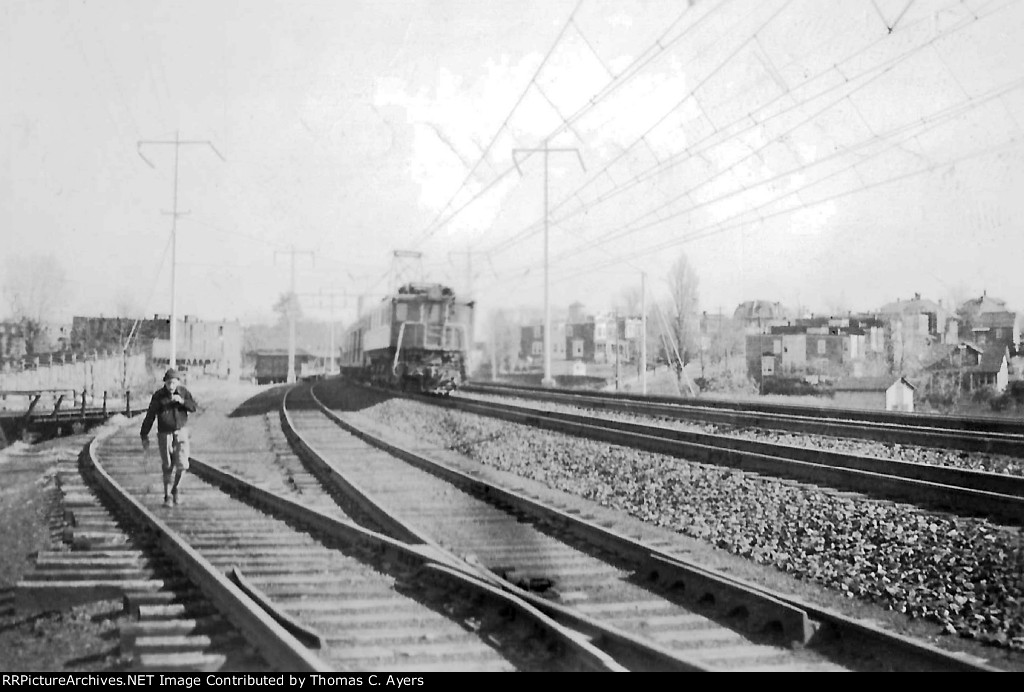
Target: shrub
x,y
983,395
1000,403
1015,391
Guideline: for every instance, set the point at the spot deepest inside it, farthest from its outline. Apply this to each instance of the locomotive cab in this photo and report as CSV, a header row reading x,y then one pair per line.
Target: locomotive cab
x,y
417,338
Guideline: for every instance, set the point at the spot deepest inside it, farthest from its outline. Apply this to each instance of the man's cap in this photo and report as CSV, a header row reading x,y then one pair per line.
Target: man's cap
x,y
171,374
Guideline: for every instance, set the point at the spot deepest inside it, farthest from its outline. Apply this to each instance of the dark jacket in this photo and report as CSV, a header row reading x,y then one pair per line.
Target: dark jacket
x,y
169,415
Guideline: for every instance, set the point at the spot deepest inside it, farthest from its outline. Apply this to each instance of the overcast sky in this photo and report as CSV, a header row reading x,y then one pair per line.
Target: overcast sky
x,y
838,154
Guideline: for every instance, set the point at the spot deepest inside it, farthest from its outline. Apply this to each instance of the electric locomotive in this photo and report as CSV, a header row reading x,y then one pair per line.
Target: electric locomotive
x,y
416,339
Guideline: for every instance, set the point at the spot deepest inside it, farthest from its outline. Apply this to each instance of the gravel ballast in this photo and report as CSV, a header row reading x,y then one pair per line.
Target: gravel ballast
x,y
965,574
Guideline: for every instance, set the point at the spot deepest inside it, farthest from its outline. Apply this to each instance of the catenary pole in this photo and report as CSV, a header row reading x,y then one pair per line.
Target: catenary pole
x,y
292,307
178,143
643,332
548,380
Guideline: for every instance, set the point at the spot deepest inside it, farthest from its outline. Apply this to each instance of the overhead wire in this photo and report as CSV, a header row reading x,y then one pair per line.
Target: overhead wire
x,y
432,227
508,170
910,130
716,138
716,229
631,228
591,243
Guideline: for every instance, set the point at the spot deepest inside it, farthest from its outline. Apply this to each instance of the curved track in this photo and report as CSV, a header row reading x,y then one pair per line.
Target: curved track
x,y
299,538
579,569
314,592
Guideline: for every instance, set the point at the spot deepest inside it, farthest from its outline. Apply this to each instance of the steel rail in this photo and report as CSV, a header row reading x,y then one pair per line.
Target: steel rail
x,y
616,643
279,647
814,623
942,421
945,475
927,431
428,561
877,477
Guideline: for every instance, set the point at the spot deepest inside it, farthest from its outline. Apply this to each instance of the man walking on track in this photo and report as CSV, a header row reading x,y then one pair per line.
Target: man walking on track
x,y
170,407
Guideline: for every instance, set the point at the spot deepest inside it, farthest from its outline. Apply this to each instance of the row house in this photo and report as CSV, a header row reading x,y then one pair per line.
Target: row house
x,y
594,339
531,341
604,339
821,345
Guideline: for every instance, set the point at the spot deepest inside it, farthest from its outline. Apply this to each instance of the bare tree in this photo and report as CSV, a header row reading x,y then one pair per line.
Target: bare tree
x,y
683,288
33,288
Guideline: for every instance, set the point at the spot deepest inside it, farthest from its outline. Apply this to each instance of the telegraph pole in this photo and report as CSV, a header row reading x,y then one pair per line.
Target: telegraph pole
x,y
548,381
178,144
292,305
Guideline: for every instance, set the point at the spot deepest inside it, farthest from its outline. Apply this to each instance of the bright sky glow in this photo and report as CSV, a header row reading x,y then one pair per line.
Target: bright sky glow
x,y
838,154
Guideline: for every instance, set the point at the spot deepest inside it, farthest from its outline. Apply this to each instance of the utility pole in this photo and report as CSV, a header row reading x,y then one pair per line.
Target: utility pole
x,y
643,333
548,380
293,300
178,144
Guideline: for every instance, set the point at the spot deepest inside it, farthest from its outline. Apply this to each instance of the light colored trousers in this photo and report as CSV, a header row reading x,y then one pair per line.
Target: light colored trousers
x,y
174,452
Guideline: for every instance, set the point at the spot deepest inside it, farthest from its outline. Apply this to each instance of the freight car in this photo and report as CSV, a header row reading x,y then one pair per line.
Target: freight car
x,y
416,339
270,366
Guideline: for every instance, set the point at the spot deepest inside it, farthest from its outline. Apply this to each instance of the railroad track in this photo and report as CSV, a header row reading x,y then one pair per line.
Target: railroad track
x,y
960,491
306,590
586,575
310,590
473,577
995,436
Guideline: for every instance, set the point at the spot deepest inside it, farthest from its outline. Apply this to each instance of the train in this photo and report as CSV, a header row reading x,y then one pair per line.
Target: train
x,y
417,339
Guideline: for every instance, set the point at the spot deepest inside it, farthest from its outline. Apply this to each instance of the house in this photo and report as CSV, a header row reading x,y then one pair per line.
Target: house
x,y
989,322
531,341
756,318
919,322
604,339
822,345
880,393
972,366
760,315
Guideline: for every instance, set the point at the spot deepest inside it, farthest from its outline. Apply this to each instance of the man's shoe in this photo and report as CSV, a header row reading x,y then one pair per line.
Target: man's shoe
x,y
167,501
175,495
